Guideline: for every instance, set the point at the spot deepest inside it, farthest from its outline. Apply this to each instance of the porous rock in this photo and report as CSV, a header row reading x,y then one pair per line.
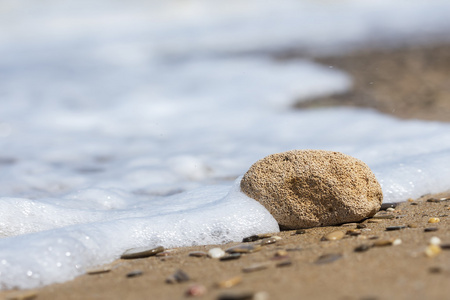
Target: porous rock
x,y
308,188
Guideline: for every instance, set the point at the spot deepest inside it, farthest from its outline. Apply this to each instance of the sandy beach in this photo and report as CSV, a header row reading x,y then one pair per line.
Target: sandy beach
x,y
372,261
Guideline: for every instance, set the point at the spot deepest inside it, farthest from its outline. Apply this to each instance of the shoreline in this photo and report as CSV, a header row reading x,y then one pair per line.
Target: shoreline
x,y
401,271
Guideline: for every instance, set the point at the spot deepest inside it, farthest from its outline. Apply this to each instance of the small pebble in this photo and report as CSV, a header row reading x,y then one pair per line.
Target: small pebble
x,y
198,254
328,258
397,242
412,225
353,232
256,237
216,253
281,253
100,270
390,242
392,228
230,282
390,209
383,215
445,246
430,229
432,250
435,270
134,273
300,231
361,226
230,256
436,200
414,203
196,290
236,296
141,252
294,249
349,225
268,241
435,241
433,200
284,264
177,277
255,267
362,248
333,236
386,206
244,248
434,220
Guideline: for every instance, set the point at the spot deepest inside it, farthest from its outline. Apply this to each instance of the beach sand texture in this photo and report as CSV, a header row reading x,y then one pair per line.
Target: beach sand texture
x,y
389,262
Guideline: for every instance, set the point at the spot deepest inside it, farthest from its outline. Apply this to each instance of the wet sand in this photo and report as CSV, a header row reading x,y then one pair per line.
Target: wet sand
x,y
408,83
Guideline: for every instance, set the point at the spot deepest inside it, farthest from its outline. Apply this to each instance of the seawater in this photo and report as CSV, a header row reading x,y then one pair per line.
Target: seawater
x,y
129,124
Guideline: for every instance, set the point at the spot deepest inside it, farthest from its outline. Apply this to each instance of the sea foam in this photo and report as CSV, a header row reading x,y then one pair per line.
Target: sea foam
x,y
73,240
126,124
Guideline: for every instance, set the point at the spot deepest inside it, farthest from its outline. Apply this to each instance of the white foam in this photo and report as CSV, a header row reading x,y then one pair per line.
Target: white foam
x,y
125,124
76,239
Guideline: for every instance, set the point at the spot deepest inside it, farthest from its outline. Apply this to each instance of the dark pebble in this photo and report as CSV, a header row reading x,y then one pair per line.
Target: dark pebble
x,y
198,254
135,273
392,228
250,239
430,229
361,226
433,200
388,205
353,232
235,296
445,246
300,231
328,258
414,203
177,277
286,263
435,270
362,248
293,249
231,256
256,237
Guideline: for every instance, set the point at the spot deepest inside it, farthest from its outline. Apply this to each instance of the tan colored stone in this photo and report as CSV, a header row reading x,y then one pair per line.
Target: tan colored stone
x,y
308,188
333,236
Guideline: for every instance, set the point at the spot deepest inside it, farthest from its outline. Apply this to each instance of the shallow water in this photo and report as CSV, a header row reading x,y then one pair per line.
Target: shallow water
x,y
124,125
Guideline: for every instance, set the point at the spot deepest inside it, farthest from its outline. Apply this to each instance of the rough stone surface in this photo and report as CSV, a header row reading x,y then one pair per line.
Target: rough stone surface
x,y
308,188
